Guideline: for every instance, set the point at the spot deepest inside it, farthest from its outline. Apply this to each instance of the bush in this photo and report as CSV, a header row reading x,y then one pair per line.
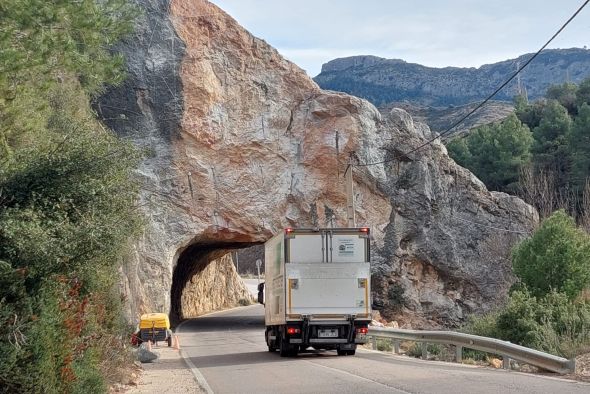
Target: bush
x,y
67,198
244,302
395,295
551,323
384,345
556,257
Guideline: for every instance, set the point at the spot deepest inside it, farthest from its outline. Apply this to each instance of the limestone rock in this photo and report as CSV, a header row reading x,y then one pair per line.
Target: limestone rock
x,y
145,355
242,143
216,287
496,363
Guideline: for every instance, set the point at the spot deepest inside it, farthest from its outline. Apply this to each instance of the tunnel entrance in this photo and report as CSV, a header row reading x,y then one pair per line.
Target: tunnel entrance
x,y
193,266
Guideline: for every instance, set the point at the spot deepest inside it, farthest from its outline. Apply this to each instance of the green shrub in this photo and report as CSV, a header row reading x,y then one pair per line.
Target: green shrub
x,y
433,349
395,295
551,323
384,345
415,350
557,257
244,302
67,197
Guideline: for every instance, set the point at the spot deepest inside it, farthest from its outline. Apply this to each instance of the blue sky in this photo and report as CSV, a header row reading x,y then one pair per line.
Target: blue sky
x,y
437,33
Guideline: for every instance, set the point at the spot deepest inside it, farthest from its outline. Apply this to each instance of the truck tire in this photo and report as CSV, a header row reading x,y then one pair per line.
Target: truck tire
x,y
271,344
286,349
342,352
350,352
283,346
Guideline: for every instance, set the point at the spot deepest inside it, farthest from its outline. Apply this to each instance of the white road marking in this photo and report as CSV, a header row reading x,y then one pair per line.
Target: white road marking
x,y
197,374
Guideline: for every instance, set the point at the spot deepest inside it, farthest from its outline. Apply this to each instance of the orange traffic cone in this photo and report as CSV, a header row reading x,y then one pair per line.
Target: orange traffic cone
x,y
176,343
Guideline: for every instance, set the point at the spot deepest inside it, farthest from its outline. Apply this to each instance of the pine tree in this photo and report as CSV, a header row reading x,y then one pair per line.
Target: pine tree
x,y
579,145
550,148
495,153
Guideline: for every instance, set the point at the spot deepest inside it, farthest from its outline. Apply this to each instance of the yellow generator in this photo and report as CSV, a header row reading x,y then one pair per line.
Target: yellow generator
x,y
155,327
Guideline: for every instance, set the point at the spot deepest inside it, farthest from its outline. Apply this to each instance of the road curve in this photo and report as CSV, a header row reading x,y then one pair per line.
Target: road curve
x,y
228,349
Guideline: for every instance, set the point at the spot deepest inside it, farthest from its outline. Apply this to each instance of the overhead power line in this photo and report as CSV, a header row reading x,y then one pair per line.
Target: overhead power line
x,y
457,123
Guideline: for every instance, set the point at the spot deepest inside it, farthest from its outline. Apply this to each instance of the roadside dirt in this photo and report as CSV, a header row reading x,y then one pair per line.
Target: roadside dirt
x,y
169,374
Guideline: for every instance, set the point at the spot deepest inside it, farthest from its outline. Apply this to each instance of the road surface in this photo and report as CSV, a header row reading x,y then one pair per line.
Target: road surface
x,y
252,285
229,351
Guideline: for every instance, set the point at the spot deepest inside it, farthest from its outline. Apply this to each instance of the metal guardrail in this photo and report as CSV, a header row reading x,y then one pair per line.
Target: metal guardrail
x,y
489,345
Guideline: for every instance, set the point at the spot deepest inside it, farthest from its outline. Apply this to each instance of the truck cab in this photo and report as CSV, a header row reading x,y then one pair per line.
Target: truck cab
x,y
317,290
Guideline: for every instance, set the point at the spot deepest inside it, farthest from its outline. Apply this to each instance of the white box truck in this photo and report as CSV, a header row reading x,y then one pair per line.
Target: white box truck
x,y
317,290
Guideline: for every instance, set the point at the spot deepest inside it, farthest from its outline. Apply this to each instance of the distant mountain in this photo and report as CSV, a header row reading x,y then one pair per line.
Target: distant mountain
x,y
383,81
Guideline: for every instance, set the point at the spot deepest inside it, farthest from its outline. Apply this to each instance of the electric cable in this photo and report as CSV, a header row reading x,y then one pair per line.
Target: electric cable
x,y
448,130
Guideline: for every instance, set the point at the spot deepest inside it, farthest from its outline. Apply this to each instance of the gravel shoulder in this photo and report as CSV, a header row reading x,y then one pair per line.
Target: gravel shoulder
x,y
168,374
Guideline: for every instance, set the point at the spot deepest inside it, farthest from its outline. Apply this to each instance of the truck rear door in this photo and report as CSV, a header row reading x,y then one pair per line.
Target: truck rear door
x,y
327,273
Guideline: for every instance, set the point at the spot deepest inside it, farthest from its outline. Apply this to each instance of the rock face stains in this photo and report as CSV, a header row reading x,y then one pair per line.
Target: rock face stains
x,y
257,147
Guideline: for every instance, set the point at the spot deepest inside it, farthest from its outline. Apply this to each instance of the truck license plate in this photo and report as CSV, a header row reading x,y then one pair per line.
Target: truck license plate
x,y
328,333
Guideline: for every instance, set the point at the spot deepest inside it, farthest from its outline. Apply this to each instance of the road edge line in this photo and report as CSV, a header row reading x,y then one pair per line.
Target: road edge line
x,y
201,381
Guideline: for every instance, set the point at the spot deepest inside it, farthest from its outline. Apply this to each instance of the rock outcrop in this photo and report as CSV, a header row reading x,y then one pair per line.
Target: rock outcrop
x,y
242,144
215,287
439,119
383,81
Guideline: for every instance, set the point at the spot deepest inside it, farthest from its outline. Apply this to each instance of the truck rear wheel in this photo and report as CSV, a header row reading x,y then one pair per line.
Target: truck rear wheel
x,y
283,346
269,342
286,349
346,352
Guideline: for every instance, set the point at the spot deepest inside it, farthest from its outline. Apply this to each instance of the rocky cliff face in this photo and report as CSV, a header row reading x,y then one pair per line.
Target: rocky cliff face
x,y
214,288
242,144
383,81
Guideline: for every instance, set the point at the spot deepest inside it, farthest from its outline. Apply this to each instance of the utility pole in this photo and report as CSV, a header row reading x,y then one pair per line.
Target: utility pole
x,y
350,195
258,265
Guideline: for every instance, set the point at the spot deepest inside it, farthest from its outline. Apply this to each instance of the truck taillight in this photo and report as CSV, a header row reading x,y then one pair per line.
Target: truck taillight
x,y
293,330
288,230
364,229
362,330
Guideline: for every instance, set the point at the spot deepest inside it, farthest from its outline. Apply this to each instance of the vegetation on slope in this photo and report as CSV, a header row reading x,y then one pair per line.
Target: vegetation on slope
x,y
66,196
548,308
542,153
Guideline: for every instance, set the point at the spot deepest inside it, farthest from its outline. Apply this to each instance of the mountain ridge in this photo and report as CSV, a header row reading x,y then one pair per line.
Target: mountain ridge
x,y
383,81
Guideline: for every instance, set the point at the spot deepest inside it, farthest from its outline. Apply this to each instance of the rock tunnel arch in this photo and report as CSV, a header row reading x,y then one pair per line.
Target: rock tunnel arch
x,y
193,260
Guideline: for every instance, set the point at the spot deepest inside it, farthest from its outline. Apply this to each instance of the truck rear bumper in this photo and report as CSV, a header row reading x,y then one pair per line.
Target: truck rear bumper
x,y
329,341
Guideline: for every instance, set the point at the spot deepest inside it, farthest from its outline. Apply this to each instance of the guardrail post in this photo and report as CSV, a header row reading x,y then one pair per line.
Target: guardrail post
x,y
424,350
374,343
505,362
571,365
396,346
458,354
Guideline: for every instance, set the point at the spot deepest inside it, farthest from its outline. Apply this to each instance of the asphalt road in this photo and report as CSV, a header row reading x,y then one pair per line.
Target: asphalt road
x,y
252,285
229,351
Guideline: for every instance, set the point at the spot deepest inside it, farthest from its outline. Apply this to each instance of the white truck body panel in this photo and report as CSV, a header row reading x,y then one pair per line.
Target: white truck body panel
x,y
328,289
322,273
274,286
